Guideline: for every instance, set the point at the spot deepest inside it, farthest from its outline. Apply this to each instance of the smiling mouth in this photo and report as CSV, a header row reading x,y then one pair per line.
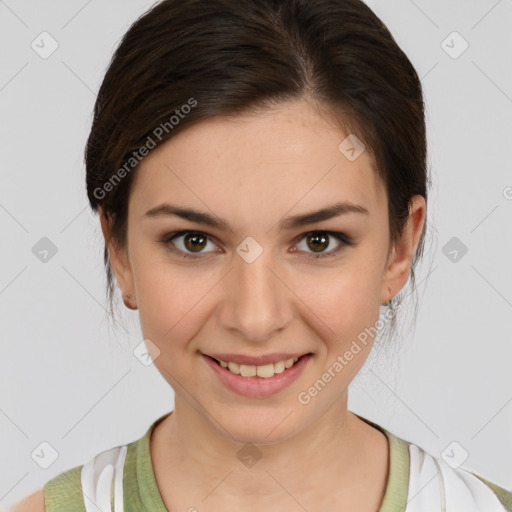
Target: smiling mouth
x,y
265,371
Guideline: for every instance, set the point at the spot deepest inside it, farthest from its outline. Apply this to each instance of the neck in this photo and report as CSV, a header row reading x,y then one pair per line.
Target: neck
x,y
190,447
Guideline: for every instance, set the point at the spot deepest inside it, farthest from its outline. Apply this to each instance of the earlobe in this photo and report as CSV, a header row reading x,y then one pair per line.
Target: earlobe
x,y
119,262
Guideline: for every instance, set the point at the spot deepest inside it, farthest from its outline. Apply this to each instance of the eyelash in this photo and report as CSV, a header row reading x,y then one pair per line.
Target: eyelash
x,y
341,237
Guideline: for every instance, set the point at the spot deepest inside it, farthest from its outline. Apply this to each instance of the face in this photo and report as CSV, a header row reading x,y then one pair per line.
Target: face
x,y
256,284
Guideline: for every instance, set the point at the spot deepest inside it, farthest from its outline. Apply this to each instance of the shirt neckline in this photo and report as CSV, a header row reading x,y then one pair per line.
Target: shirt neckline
x,y
397,488
395,495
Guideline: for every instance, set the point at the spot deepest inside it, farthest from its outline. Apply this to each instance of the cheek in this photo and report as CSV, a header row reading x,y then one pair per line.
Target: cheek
x,y
169,299
342,299
348,304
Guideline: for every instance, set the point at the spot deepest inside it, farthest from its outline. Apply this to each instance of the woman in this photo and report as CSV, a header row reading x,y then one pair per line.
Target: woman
x,y
259,170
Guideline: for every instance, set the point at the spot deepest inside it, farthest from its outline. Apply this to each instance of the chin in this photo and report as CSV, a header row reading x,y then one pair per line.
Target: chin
x,y
256,426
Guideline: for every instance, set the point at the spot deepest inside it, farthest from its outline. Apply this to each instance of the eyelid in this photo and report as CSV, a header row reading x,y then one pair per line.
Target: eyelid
x,y
168,239
341,237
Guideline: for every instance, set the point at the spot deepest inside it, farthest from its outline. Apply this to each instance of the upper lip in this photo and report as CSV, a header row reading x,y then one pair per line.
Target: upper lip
x,y
256,360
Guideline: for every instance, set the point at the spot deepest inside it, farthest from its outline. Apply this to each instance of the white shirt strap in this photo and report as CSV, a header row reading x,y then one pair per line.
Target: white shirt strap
x,y
97,477
434,485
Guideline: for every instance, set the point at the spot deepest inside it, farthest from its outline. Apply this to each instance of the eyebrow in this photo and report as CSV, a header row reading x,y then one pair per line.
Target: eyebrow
x,y
335,210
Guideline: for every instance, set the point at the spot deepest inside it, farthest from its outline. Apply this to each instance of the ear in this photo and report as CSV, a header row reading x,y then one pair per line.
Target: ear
x,y
119,260
399,262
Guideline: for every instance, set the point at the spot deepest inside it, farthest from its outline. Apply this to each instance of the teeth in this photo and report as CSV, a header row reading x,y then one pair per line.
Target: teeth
x,y
234,368
247,371
265,371
279,367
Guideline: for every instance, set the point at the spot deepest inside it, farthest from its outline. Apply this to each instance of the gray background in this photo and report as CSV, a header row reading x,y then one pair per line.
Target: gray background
x,y
69,379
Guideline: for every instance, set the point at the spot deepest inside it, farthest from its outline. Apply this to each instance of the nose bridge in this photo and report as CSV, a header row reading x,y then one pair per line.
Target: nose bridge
x,y
255,302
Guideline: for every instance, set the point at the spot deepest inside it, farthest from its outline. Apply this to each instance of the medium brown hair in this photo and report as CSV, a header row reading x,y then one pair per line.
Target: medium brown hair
x,y
185,61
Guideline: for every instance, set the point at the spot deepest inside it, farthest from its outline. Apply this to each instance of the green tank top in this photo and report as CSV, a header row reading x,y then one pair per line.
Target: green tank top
x,y
64,492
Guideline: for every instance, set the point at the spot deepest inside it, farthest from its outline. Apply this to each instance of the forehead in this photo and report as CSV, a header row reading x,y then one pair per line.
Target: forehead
x,y
274,159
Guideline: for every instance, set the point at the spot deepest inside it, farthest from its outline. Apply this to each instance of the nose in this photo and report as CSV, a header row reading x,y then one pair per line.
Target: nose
x,y
257,303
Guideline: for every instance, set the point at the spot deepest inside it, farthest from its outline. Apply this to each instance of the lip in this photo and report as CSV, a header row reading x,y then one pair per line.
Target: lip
x,y
257,387
255,360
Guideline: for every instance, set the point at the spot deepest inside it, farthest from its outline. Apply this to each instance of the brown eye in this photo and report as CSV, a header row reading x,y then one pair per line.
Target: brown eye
x,y
188,244
318,242
191,244
194,242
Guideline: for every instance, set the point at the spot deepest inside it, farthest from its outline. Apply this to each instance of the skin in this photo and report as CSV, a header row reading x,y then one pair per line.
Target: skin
x,y
253,171
32,503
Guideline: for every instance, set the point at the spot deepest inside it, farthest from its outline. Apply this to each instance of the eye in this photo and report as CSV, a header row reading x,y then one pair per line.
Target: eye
x,y
190,244
321,240
193,241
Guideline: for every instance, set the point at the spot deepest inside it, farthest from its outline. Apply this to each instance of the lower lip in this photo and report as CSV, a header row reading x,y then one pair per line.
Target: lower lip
x,y
258,387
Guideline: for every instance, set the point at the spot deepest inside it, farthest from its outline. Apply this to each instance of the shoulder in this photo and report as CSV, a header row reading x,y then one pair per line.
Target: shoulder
x,y
64,491
444,482
32,503
99,481
68,490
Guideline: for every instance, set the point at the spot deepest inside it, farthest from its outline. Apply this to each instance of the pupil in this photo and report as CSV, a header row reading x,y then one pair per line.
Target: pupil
x,y
324,242
194,243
